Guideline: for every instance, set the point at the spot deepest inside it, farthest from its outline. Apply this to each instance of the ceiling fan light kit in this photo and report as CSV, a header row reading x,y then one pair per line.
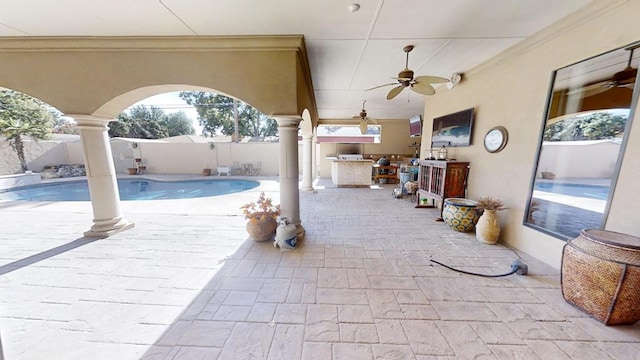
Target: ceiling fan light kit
x,y
420,84
364,120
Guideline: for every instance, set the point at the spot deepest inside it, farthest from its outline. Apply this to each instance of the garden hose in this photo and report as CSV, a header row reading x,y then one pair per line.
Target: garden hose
x,y
516,267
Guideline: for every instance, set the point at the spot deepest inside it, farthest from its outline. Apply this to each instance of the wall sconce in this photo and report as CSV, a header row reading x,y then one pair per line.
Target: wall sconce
x,y
211,146
134,145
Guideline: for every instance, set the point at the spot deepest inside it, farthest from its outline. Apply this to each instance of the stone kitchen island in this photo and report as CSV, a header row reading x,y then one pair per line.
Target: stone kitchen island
x,y
351,173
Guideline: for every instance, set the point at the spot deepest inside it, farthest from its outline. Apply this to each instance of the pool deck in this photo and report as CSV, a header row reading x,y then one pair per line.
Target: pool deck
x,y
187,283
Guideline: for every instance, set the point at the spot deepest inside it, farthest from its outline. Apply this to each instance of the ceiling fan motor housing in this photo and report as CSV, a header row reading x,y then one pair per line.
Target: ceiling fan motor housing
x,y
405,76
627,75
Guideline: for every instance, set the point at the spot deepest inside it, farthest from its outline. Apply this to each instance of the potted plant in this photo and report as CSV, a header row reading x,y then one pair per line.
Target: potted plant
x,y
487,228
262,216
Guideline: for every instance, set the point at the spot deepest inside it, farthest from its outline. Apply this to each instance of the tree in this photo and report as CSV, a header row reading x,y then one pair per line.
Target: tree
x,y
20,116
120,127
142,122
177,124
595,126
216,115
145,123
63,125
139,123
141,112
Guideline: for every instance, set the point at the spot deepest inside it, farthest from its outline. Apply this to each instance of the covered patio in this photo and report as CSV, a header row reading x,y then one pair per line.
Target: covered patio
x,y
187,283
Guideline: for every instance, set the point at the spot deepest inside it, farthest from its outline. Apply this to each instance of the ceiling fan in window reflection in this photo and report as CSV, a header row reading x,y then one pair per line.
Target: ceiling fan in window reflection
x,y
420,84
364,120
625,78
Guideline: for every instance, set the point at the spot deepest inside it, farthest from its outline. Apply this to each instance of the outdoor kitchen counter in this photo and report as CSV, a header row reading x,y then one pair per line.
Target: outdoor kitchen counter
x,y
351,173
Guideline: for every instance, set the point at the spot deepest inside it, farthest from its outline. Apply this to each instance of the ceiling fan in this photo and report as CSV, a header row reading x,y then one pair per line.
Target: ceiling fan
x,y
364,120
420,84
625,78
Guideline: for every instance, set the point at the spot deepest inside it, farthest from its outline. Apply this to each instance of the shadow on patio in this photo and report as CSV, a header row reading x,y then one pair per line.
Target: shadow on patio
x,y
360,286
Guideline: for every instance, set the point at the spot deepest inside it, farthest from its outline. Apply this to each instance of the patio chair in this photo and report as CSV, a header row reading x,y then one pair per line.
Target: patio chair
x,y
256,169
236,169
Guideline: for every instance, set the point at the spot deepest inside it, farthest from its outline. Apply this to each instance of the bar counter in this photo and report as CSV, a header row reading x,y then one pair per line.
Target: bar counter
x,y
351,173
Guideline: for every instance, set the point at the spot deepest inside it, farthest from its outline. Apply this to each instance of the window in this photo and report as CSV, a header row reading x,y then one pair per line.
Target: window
x,y
581,143
348,134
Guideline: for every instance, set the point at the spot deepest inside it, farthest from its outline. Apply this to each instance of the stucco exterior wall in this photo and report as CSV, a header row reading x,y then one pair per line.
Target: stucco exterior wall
x,y
160,158
37,154
579,159
190,158
511,91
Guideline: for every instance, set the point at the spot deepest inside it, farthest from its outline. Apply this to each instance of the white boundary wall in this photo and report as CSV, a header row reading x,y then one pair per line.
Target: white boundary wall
x,y
159,157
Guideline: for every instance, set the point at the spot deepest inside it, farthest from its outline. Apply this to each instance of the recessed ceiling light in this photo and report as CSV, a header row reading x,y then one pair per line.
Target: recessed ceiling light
x,y
354,7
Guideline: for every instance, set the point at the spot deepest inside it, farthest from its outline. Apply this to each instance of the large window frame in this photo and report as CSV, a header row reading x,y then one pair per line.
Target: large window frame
x,y
559,204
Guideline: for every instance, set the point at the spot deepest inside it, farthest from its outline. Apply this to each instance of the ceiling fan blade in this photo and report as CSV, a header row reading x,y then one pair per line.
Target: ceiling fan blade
x,y
597,91
432,79
363,126
592,89
379,86
394,92
423,88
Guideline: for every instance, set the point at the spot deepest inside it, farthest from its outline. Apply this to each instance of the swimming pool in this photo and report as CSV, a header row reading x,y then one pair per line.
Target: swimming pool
x,y
599,192
130,189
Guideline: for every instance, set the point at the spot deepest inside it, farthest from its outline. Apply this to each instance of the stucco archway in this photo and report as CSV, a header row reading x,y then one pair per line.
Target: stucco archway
x,y
94,79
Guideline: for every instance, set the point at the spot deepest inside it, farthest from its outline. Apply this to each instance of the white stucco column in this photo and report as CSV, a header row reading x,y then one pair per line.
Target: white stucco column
x,y
307,162
314,157
101,176
289,193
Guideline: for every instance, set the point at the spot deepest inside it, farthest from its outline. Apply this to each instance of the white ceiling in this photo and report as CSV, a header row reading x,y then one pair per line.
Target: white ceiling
x,y
348,51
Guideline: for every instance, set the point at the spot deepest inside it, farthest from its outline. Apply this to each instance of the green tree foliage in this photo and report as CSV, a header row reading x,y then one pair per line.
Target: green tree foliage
x,y
152,113
178,124
595,126
120,127
216,115
142,122
20,116
63,125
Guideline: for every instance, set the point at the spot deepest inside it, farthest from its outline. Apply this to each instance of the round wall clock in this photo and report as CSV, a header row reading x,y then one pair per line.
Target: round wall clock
x,y
496,139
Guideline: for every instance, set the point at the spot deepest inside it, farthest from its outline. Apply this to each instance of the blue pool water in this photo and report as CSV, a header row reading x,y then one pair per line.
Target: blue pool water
x,y
599,192
130,189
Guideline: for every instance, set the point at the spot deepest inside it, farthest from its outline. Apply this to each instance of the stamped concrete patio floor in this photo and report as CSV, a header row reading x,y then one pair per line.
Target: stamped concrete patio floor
x,y
187,283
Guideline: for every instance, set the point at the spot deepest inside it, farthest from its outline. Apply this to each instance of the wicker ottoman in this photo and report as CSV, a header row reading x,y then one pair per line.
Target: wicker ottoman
x,y
601,275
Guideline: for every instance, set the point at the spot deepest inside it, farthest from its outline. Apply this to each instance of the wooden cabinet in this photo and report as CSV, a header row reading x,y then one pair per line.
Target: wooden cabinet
x,y
439,180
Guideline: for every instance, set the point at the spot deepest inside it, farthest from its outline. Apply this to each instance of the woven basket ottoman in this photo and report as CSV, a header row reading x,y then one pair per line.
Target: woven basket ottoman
x,y
601,275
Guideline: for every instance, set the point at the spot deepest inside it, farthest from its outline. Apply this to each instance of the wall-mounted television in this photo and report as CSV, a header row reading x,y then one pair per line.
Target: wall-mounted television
x,y
415,126
453,130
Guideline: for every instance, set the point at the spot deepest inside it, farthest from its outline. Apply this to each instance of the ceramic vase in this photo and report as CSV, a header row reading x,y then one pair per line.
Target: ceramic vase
x,y
261,227
487,228
460,214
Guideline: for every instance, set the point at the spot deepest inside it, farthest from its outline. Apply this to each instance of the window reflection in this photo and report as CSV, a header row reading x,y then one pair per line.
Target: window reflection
x,y
581,143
